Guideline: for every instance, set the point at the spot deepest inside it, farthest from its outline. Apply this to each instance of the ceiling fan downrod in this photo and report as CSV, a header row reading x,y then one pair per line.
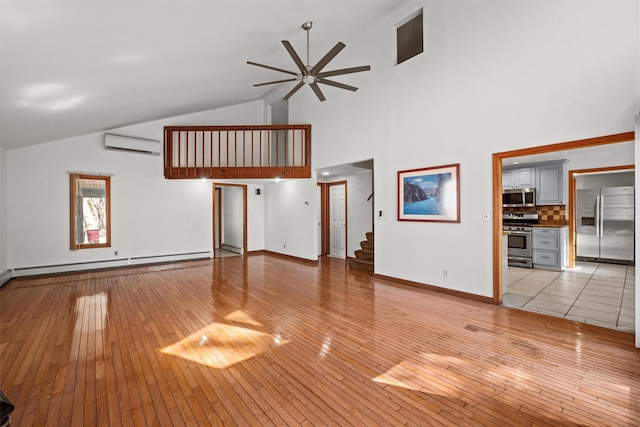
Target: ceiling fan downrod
x,y
307,26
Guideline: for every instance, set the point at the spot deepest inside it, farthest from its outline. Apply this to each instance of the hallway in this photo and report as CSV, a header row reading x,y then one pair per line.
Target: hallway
x,y
594,293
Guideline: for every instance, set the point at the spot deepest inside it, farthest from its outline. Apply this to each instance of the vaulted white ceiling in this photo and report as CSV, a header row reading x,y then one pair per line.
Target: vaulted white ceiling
x,y
73,67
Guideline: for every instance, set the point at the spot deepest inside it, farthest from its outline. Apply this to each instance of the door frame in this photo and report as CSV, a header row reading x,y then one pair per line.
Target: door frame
x,y
497,191
217,213
346,216
324,217
244,213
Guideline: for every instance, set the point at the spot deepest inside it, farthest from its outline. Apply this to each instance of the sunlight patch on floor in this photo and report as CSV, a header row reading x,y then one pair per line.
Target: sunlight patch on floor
x,y
220,346
412,375
240,316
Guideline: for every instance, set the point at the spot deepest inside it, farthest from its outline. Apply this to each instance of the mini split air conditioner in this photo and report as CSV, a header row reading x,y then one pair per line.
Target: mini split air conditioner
x,y
127,143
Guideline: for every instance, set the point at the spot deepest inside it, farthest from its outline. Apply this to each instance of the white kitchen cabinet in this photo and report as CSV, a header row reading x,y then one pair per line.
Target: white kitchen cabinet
x,y
550,247
519,177
550,184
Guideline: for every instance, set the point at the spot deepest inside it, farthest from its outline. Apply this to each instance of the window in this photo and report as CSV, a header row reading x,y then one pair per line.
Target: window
x,y
90,211
409,38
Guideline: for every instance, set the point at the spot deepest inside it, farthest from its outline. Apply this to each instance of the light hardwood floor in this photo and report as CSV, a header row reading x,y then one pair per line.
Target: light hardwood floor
x,y
262,340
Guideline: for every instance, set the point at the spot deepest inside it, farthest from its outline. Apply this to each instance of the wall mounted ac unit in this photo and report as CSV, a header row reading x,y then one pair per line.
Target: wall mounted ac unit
x,y
127,143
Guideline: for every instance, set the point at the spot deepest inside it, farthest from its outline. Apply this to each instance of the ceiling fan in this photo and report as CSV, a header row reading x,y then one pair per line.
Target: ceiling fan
x,y
312,75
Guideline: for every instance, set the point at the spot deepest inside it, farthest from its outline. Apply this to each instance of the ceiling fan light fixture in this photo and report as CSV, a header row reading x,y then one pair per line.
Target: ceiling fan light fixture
x,y
312,75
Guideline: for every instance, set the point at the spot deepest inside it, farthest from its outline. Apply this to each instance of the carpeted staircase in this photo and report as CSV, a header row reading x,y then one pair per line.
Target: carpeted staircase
x,y
364,255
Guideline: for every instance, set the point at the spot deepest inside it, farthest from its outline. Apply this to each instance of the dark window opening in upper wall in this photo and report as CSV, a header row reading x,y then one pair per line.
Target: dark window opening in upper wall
x,y
409,38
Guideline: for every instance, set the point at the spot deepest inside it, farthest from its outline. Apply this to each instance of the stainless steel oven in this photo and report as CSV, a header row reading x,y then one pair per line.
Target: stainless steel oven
x,y
520,249
519,238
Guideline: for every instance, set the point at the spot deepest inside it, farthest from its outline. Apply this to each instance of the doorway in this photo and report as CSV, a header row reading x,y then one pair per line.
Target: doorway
x,y
497,159
588,292
229,219
338,219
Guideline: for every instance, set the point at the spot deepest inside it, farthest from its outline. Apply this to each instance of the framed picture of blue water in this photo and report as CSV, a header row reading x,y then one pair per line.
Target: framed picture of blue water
x,y
429,194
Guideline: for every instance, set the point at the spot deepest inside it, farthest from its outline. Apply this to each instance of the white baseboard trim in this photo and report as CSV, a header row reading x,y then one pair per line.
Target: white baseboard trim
x,y
112,263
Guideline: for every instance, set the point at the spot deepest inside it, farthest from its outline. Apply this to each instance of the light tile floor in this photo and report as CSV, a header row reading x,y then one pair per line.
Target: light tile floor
x,y
222,253
594,293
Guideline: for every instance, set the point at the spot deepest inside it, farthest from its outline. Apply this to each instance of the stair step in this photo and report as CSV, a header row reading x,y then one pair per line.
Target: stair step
x,y
364,255
366,245
361,264
369,236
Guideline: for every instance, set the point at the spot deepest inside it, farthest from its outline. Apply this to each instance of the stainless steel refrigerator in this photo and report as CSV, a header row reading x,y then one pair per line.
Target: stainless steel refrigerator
x,y
605,223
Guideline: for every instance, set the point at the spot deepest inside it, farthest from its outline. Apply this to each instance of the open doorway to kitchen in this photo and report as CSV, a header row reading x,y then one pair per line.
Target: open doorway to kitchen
x,y
229,219
577,291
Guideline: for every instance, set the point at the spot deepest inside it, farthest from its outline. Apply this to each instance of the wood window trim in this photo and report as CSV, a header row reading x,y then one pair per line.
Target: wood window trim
x,y
73,178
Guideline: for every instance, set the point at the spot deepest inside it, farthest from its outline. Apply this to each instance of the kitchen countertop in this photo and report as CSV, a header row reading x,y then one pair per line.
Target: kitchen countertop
x,y
552,224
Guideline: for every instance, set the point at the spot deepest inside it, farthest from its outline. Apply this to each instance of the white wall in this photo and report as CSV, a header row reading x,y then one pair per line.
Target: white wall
x,y
291,218
3,213
232,217
151,216
495,76
255,217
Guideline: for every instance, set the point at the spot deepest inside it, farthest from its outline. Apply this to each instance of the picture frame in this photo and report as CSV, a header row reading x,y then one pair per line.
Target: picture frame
x,y
429,194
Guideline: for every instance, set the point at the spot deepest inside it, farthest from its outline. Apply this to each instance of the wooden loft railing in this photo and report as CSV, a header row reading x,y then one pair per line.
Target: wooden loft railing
x,y
266,151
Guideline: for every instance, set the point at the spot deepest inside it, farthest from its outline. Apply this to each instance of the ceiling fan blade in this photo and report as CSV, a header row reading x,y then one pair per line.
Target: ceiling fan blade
x,y
272,68
336,84
317,91
277,81
328,57
344,71
295,57
294,90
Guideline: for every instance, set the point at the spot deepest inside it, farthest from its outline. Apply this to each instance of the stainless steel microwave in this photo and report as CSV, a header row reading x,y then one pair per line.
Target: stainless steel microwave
x,y
517,197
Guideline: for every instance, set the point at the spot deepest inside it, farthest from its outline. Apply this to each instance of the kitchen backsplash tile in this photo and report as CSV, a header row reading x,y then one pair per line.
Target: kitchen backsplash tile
x,y
549,214
555,213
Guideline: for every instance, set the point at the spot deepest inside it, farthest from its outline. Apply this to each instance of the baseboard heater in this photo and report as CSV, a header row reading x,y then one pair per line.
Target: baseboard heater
x,y
5,276
233,249
168,258
112,263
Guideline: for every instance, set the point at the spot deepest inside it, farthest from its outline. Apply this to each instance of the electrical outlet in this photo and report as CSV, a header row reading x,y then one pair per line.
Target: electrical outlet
x,y
115,253
445,273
